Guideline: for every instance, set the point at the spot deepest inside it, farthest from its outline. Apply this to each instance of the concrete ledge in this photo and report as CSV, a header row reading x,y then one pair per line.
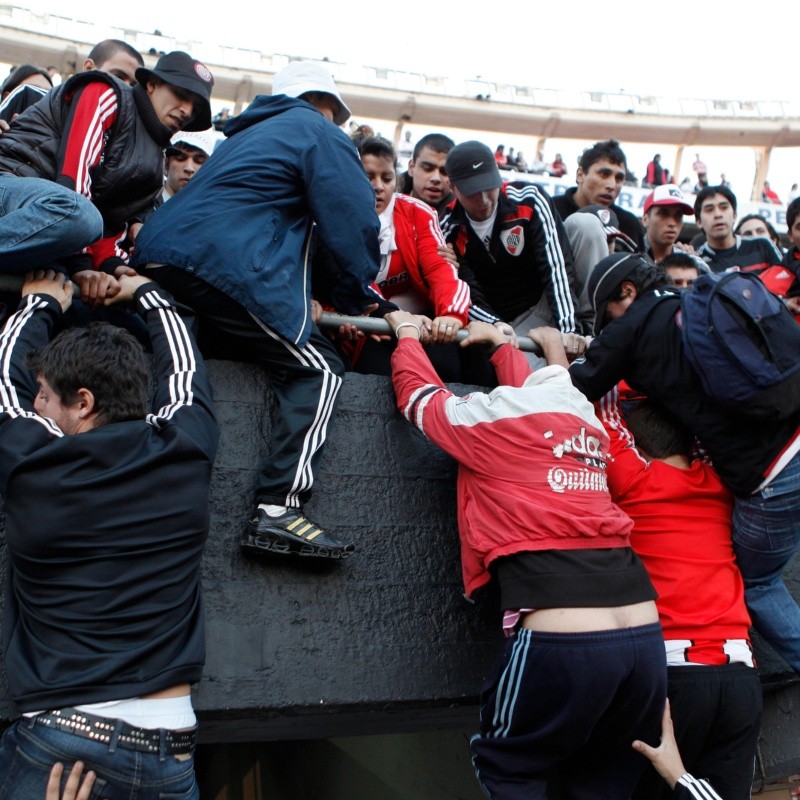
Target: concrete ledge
x,y
385,641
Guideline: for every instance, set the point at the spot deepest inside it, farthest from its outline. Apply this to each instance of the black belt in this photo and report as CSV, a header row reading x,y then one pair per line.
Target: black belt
x,y
115,731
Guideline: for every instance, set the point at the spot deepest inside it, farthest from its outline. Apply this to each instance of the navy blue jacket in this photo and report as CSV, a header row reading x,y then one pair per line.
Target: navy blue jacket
x,y
243,224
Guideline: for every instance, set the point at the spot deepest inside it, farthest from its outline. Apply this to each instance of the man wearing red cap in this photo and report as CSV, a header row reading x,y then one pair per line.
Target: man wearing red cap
x,y
664,210
91,155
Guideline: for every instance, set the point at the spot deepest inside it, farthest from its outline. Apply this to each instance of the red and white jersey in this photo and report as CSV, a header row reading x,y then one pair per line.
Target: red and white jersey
x,y
415,266
532,458
83,141
91,116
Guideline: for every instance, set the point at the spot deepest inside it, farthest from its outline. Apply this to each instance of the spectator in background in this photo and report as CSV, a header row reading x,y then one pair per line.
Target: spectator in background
x,y
699,167
500,156
187,152
686,185
794,192
361,132
792,258
664,210
405,151
768,195
655,175
115,57
756,225
521,164
682,268
601,174
539,166
715,211
23,87
558,169
511,159
723,181
112,56
702,183
26,75
221,119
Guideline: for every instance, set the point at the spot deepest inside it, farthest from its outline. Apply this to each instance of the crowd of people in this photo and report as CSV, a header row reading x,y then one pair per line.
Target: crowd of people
x,y
634,522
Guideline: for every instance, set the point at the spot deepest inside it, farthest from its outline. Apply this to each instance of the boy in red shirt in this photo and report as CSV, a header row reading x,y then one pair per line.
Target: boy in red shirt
x,y
681,516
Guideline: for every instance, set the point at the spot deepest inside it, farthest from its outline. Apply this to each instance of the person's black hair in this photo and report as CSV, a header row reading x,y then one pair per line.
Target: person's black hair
x,y
773,234
102,358
376,146
20,74
104,50
437,142
710,191
608,150
646,277
792,211
658,433
680,259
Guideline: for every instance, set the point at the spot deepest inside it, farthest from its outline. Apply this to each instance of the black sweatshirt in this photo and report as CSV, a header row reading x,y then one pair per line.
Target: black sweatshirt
x,y
105,528
644,348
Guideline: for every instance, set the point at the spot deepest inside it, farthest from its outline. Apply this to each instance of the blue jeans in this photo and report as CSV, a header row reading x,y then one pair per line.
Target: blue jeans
x,y
766,534
27,753
41,222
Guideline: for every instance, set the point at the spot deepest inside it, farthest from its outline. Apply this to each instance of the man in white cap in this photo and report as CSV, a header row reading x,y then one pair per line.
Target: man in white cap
x,y
236,245
187,152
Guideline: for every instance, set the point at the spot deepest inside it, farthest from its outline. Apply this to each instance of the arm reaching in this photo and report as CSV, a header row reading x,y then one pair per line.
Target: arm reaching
x,y
22,430
666,759
549,339
183,394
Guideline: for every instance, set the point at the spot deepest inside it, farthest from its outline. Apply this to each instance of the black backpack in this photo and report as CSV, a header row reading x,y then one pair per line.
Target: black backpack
x,y
743,343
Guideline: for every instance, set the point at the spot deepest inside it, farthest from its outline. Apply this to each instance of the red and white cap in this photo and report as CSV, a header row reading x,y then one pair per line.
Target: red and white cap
x,y
667,195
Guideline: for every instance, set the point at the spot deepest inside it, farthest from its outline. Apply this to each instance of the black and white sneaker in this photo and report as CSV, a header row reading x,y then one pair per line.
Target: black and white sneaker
x,y
293,534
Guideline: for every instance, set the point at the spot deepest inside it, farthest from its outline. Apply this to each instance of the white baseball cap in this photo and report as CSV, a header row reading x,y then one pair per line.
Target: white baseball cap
x,y
308,76
667,195
202,140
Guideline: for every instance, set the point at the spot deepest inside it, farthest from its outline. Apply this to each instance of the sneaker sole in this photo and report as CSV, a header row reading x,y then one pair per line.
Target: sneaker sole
x,y
264,543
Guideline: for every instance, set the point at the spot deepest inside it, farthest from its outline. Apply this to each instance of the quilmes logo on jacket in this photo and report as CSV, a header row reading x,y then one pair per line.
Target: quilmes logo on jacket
x,y
513,239
587,449
583,446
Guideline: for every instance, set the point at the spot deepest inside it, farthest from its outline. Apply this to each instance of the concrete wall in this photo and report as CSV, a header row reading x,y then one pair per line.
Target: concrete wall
x,y
383,642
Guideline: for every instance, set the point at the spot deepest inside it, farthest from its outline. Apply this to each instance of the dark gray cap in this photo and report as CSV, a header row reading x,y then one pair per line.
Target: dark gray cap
x,y
471,168
605,280
180,69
